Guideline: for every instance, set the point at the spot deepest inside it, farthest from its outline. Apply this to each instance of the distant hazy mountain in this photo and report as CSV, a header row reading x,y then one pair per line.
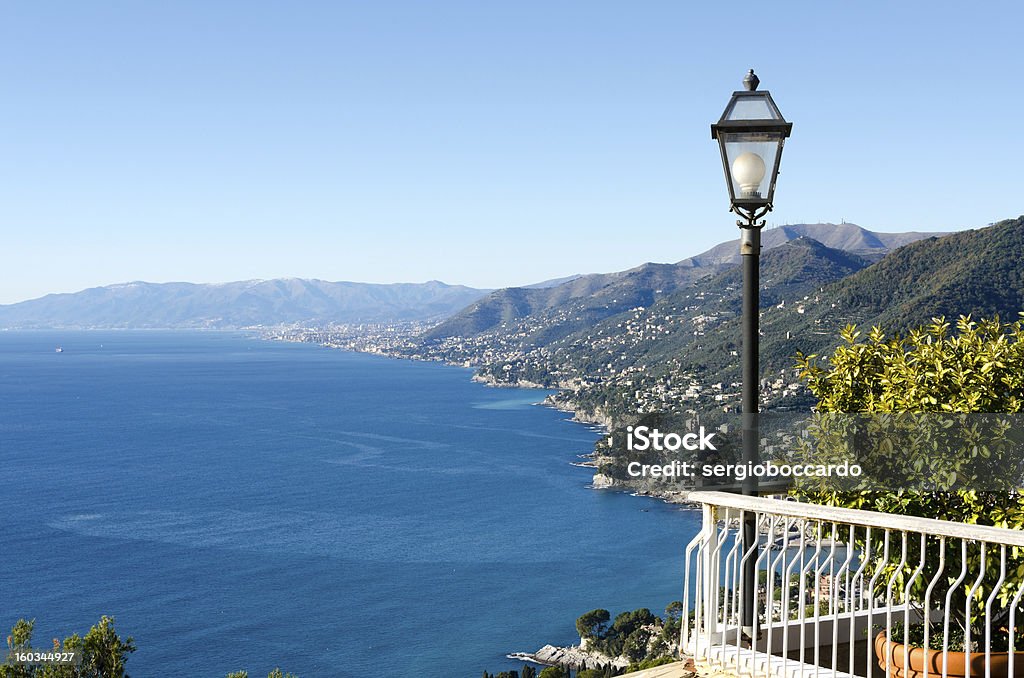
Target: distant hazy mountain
x,y
239,304
847,237
587,299
554,282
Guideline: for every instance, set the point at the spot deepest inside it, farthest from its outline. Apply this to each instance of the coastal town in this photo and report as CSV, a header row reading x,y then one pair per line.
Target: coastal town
x,y
598,375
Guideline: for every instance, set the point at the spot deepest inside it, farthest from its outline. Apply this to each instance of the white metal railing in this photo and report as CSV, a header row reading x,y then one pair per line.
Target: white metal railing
x,y
829,580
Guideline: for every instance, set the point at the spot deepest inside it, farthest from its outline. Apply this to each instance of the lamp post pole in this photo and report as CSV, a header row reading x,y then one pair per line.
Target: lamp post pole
x,y
750,134
750,253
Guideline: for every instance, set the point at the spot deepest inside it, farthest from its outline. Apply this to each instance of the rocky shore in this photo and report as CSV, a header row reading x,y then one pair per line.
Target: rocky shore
x,y
597,417
573,657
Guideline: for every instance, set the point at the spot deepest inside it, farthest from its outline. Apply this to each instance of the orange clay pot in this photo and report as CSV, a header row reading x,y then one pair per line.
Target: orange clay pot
x,y
956,663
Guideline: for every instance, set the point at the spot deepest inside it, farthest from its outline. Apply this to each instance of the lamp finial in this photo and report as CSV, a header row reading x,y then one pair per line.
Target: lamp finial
x,y
751,81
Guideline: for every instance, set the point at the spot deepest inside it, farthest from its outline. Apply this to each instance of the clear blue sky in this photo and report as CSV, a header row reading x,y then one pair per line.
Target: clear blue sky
x,y
483,143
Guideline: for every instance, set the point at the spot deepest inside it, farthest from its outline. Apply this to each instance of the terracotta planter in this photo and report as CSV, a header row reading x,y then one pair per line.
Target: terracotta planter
x,y
897,656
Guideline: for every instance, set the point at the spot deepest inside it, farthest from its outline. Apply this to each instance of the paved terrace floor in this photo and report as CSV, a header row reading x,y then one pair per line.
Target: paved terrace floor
x,y
681,669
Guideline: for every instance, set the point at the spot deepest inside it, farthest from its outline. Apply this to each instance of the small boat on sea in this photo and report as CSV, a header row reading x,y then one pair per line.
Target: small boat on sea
x,y
60,349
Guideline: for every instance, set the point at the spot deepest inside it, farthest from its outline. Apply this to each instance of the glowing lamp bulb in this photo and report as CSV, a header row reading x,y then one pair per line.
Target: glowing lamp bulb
x,y
748,171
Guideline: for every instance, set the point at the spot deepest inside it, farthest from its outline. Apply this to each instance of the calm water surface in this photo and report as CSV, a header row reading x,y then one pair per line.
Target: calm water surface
x,y
237,503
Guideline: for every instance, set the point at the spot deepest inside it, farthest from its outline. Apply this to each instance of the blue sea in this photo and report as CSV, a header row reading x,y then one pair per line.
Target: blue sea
x,y
243,504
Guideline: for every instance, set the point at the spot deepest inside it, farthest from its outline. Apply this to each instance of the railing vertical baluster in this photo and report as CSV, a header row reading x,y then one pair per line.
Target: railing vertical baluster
x,y
848,581
967,608
906,596
722,579
751,551
928,595
871,598
698,602
832,568
778,568
817,599
731,578
789,579
769,591
763,520
803,607
858,592
684,630
988,611
828,602
949,607
888,597
723,582
684,620
705,575
717,571
1011,648
835,582
737,576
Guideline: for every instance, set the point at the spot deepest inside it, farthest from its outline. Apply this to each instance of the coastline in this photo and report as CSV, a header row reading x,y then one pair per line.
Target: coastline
x,y
573,656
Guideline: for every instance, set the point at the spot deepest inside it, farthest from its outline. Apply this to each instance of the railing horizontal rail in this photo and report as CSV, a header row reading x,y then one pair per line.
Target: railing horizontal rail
x,y
793,509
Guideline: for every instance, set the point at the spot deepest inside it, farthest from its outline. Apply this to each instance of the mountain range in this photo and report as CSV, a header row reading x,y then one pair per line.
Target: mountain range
x,y
464,311
240,304
845,236
585,300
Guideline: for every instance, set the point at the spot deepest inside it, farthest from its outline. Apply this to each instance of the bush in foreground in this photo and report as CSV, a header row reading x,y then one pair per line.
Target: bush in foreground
x,y
104,653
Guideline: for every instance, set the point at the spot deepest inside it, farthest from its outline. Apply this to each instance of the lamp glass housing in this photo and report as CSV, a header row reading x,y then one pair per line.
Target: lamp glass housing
x,y
751,134
751,108
740,151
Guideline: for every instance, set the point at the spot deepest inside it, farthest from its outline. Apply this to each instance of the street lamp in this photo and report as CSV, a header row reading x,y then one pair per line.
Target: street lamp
x,y
750,134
